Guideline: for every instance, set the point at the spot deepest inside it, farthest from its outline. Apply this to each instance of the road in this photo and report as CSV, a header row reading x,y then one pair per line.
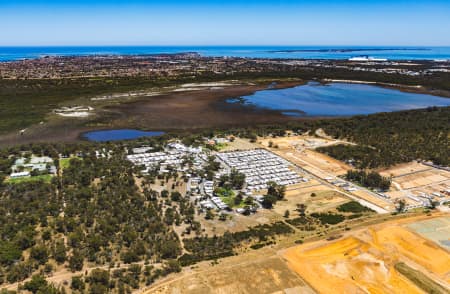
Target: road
x,y
366,203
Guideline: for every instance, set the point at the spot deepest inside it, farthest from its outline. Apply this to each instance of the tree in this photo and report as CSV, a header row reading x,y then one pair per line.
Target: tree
x,y
286,214
77,283
209,214
175,196
170,249
99,277
248,200
401,205
172,266
76,261
39,253
237,179
37,283
301,208
46,235
276,190
9,253
238,199
269,201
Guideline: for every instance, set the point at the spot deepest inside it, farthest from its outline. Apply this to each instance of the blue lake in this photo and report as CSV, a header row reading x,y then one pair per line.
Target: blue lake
x,y
116,135
338,99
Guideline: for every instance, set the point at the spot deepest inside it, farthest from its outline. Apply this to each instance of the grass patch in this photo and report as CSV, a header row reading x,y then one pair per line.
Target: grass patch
x,y
43,178
65,162
419,279
228,197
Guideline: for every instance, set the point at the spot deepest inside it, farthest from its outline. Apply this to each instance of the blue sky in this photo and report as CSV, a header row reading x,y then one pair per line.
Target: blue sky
x,y
232,22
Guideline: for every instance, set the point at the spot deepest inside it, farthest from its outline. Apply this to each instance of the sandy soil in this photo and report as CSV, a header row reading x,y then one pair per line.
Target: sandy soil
x,y
363,194
235,222
364,261
404,168
324,200
314,162
239,144
260,271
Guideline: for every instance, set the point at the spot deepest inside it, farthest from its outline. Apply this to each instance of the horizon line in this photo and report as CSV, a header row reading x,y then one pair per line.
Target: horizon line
x,y
220,45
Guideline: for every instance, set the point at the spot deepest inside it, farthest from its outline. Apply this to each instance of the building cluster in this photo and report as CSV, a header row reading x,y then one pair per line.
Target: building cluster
x,y
183,64
26,167
260,167
174,155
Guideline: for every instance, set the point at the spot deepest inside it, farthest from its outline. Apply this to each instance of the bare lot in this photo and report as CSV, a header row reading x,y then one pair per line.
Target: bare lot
x,y
298,149
364,261
323,199
262,272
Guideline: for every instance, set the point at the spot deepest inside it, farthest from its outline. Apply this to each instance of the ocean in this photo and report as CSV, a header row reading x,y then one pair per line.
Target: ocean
x,y
305,52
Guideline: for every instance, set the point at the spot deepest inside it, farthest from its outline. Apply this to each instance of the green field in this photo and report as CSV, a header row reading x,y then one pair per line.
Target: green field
x,y
44,178
228,196
65,162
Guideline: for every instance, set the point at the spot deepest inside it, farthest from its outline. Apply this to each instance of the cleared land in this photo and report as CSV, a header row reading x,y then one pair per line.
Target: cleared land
x,y
296,149
405,168
324,198
260,272
416,175
364,261
417,179
369,197
235,222
437,230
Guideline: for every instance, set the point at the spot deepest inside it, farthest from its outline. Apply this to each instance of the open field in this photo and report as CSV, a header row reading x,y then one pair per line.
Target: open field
x,y
239,144
44,178
296,150
316,163
322,166
416,175
324,200
423,178
364,261
416,179
402,169
235,222
263,272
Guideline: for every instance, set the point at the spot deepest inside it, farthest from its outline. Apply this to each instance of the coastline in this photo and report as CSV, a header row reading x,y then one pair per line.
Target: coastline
x,y
18,53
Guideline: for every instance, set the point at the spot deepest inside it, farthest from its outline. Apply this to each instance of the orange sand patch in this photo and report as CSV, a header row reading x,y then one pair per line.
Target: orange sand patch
x,y
364,261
